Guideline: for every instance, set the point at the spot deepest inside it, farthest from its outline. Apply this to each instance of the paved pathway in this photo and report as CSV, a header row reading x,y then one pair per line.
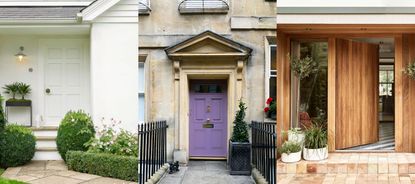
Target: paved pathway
x,y
205,172
49,172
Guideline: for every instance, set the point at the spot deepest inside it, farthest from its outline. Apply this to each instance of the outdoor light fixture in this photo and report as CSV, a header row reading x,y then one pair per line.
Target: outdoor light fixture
x,y
20,54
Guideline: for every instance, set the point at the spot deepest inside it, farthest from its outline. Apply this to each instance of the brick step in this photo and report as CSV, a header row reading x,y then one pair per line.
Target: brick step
x,y
353,163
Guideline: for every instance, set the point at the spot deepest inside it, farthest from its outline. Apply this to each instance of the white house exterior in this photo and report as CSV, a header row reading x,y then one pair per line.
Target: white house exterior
x,y
79,55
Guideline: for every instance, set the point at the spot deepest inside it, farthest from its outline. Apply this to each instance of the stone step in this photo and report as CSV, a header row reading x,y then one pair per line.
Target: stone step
x,y
47,149
44,128
47,155
46,144
45,138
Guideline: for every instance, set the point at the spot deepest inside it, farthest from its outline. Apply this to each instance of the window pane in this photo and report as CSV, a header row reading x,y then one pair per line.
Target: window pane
x,y
273,87
141,79
207,88
273,57
141,107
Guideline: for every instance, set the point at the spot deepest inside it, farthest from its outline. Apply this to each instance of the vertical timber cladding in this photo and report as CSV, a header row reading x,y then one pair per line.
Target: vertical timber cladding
x,y
405,94
357,93
283,85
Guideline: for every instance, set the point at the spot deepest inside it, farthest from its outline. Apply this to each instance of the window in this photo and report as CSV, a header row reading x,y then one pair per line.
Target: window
x,y
271,72
386,80
141,92
144,7
204,6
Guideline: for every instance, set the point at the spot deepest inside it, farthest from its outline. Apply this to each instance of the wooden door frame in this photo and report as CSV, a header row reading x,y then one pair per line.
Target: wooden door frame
x,y
284,38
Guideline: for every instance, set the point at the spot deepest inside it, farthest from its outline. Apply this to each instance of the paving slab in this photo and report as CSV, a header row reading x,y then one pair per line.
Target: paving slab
x,y
205,172
55,172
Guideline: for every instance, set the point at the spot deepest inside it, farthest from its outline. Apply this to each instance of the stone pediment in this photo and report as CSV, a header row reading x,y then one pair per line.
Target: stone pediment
x,y
208,44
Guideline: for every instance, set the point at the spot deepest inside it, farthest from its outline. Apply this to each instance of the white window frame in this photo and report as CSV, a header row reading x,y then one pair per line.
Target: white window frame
x,y
142,60
268,70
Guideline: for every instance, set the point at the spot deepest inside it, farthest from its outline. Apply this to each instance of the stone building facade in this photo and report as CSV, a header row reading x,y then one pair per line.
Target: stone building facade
x,y
196,61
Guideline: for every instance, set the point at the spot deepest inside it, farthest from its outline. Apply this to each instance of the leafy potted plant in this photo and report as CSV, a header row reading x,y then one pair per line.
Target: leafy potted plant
x,y
11,89
410,70
239,146
290,151
17,88
271,108
315,143
296,135
302,68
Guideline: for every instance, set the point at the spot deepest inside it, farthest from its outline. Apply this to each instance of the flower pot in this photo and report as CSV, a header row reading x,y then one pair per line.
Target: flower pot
x,y
315,154
239,158
296,137
272,115
290,158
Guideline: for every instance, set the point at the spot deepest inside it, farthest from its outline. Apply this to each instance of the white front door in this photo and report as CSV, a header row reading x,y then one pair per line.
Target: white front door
x,y
66,78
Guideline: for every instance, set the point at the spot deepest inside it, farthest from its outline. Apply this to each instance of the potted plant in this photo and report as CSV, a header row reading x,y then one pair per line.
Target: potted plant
x,y
290,151
296,135
410,70
239,146
17,88
302,68
271,109
11,89
24,89
315,143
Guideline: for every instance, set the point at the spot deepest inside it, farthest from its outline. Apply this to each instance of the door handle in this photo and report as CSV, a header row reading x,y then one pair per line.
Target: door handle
x,y
47,91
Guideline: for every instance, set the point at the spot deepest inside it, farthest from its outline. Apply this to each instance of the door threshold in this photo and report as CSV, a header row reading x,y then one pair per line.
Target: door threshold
x,y
207,158
364,151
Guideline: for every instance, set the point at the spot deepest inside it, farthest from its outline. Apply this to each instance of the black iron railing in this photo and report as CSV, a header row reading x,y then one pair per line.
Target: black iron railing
x,y
152,140
264,150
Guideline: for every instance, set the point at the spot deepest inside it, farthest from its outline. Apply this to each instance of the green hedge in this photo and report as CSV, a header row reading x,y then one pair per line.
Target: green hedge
x,y
17,146
102,164
74,131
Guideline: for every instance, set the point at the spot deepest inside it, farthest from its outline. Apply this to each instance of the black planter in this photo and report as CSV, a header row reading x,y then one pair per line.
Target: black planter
x,y
240,158
272,115
18,103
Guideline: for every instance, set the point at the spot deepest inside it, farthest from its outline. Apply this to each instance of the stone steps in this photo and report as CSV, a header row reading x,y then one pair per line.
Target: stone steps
x,y
46,148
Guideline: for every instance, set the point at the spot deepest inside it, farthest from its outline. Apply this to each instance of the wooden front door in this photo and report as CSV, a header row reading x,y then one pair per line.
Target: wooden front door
x,y
357,93
208,119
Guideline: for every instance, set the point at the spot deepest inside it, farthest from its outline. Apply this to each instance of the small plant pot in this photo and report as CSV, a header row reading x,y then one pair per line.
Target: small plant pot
x,y
290,158
296,137
315,154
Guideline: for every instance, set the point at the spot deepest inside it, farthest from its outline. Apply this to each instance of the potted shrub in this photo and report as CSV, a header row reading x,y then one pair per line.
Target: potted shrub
x,y
290,151
302,68
296,135
315,143
271,109
239,146
17,88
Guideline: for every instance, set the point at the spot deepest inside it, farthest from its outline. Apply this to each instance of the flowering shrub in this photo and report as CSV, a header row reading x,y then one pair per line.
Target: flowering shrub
x,y
113,140
271,108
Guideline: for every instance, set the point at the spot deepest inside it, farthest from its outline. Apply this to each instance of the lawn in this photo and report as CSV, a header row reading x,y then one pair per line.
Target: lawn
x,y
5,181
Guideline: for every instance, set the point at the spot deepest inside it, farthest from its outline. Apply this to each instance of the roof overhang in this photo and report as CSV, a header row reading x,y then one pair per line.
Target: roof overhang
x,y
209,45
96,9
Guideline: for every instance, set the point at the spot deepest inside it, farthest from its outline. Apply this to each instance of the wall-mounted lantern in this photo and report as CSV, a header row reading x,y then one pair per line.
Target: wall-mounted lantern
x,y
20,55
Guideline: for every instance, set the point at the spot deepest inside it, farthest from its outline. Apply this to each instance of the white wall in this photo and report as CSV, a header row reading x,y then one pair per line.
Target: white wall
x,y
11,70
114,73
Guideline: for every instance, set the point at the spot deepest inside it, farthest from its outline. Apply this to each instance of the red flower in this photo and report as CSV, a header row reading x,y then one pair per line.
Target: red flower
x,y
266,109
269,100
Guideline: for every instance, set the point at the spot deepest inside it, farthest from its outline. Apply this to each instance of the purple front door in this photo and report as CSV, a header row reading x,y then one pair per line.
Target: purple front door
x,y
208,119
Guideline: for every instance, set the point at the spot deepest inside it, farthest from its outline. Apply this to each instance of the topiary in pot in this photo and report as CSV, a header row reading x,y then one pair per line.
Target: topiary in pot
x,y
239,146
74,131
24,89
17,145
11,89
